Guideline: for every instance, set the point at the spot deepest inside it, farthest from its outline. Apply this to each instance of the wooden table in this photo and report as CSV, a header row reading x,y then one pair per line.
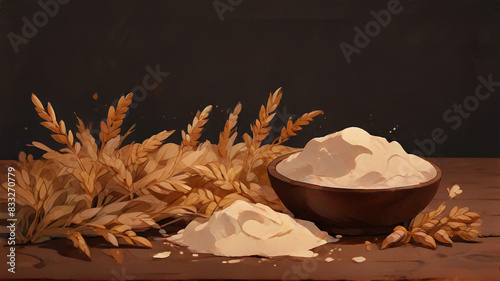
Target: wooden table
x,y
480,182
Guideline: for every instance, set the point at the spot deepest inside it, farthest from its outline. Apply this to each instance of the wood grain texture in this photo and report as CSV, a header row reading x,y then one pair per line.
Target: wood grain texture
x,y
480,182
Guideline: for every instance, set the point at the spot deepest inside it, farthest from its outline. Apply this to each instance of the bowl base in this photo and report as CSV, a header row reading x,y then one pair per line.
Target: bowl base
x,y
361,231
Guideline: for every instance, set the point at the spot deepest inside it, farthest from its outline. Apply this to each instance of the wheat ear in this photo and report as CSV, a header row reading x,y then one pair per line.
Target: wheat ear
x,y
58,128
226,138
261,128
194,130
292,127
111,128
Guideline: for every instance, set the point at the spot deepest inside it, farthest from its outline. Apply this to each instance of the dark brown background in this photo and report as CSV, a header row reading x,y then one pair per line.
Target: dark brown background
x,y
424,61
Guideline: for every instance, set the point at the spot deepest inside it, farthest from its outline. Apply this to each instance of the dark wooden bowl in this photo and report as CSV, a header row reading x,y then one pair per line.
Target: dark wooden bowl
x,y
352,211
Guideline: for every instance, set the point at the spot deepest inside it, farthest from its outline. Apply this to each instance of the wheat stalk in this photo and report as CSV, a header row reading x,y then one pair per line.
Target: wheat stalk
x,y
427,228
141,151
111,128
292,127
128,133
194,130
228,135
260,130
59,128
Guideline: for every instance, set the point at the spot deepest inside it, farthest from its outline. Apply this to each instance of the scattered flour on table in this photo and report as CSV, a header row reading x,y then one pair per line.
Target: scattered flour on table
x,y
162,255
359,259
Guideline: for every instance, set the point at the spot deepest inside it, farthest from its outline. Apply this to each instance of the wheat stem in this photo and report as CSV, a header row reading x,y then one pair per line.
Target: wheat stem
x,y
228,132
292,127
59,128
111,128
261,129
194,130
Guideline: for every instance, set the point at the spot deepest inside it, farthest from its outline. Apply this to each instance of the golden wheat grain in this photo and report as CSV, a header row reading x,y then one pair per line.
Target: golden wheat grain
x,y
111,128
59,128
261,128
141,151
292,127
194,130
228,135
427,228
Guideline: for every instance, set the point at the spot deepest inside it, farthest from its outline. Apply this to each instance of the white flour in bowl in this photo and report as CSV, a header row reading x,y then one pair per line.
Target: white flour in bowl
x,y
352,158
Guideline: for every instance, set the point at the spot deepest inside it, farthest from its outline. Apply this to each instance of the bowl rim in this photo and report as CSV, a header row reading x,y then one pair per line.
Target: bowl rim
x,y
271,168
